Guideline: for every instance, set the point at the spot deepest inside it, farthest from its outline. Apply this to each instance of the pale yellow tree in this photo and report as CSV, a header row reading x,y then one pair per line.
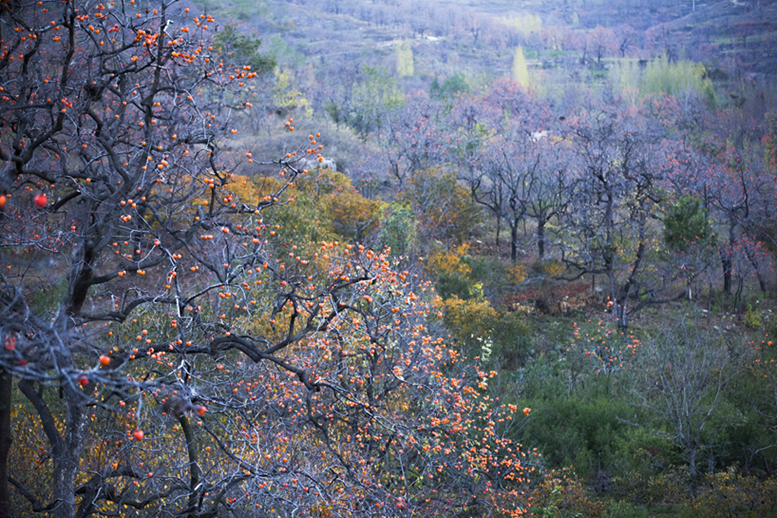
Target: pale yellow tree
x,y
520,69
405,59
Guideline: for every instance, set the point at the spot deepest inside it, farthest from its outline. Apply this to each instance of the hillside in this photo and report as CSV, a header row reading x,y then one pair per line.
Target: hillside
x,y
480,37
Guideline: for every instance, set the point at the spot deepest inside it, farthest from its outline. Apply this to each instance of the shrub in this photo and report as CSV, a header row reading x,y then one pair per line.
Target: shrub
x,y
731,494
584,431
560,491
473,319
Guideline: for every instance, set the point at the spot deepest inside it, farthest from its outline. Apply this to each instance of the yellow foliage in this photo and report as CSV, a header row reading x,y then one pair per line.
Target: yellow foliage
x,y
266,185
467,318
552,268
404,59
243,189
520,70
287,97
325,207
523,22
449,262
516,274
353,216
321,510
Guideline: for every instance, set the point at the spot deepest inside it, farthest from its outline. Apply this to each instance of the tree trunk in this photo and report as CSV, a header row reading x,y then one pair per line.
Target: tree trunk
x,y
692,450
620,298
66,464
65,451
514,241
756,265
726,257
761,281
621,316
541,238
6,385
727,264
194,467
498,228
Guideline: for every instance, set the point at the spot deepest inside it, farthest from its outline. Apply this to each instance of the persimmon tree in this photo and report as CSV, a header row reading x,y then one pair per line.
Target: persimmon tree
x,y
113,119
620,167
524,176
740,192
498,187
735,188
473,123
412,141
175,355
509,166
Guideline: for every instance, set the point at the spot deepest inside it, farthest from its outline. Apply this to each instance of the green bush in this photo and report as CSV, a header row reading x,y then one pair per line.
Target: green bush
x,y
622,509
398,231
686,222
578,431
753,317
641,460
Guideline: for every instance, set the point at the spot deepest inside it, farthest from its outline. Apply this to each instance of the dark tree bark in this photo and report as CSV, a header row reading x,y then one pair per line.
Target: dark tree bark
x,y
514,239
6,390
65,449
194,467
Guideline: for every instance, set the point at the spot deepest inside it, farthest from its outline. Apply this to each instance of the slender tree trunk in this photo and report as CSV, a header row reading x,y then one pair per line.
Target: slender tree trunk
x,y
692,450
498,228
620,314
514,241
6,385
194,467
620,298
727,264
726,258
761,281
754,261
66,463
541,238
